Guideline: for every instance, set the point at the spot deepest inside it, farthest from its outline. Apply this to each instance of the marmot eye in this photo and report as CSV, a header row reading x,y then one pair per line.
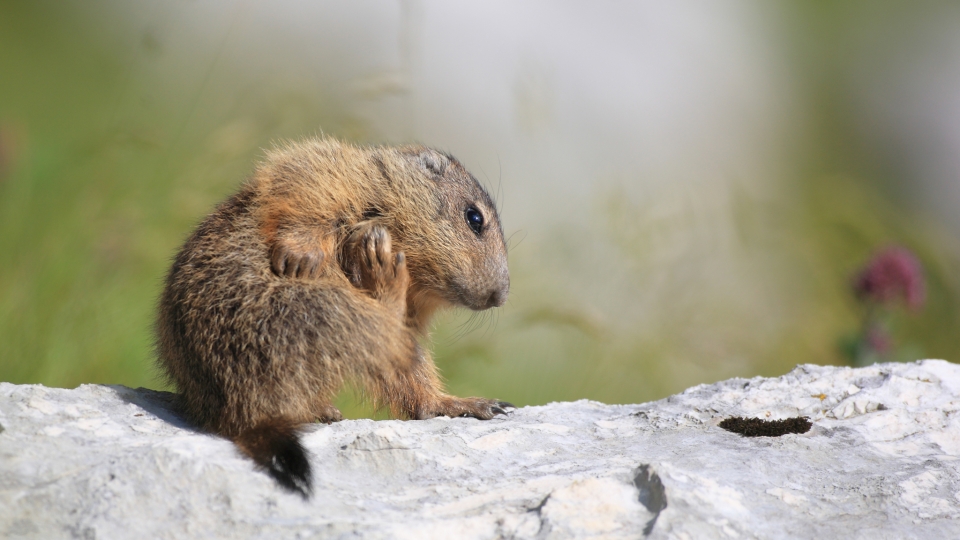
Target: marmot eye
x,y
475,220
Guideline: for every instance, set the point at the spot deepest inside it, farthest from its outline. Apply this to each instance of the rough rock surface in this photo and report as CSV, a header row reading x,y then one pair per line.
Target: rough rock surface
x,y
881,461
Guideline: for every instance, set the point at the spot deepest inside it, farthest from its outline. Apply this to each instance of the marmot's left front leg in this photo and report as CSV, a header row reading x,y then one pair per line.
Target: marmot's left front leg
x,y
371,265
298,246
297,255
413,390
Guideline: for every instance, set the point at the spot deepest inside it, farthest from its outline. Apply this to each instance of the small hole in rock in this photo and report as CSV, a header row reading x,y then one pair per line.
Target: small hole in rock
x,y
755,427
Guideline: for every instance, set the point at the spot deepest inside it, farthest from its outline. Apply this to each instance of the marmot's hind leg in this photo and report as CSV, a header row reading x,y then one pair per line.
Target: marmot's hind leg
x,y
326,413
473,407
415,391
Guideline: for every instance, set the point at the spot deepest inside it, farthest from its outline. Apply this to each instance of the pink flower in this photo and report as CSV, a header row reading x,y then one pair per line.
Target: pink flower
x,y
893,273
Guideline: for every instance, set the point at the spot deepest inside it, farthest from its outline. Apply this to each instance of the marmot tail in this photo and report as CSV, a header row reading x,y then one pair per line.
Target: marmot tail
x,y
275,446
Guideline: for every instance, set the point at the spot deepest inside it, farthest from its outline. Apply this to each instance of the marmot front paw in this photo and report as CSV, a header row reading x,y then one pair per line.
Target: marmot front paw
x,y
372,266
292,259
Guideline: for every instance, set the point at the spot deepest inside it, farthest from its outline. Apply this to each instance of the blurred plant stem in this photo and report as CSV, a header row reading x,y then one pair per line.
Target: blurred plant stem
x,y
892,280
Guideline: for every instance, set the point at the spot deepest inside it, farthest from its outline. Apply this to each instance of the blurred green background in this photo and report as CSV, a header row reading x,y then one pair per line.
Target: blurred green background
x,y
688,188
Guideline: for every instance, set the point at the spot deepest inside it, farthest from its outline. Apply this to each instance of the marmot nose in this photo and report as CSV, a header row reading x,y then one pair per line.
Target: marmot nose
x,y
496,298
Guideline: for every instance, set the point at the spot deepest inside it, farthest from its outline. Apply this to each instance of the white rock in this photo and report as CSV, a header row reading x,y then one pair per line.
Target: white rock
x,y
881,461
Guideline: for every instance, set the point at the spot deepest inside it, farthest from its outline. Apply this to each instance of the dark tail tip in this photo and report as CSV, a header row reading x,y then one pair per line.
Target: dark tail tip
x,y
275,447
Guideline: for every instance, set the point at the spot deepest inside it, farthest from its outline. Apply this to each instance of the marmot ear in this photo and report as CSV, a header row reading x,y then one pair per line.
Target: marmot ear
x,y
429,160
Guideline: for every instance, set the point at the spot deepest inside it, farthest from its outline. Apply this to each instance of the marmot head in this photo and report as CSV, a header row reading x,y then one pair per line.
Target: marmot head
x,y
455,248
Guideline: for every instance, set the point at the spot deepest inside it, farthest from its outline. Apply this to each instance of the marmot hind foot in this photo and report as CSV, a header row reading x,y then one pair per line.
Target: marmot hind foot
x,y
473,407
328,414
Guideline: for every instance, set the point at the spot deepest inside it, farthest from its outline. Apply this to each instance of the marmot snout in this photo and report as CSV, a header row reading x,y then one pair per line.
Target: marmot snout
x,y
328,264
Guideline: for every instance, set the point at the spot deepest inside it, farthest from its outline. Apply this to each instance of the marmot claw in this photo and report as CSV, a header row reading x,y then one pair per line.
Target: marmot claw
x,y
480,408
373,266
287,260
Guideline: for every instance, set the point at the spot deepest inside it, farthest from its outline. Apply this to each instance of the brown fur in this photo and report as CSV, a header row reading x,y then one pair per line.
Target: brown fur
x,y
327,265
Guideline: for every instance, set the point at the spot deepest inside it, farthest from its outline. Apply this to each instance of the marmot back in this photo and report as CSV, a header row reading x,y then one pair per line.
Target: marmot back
x,y
327,265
